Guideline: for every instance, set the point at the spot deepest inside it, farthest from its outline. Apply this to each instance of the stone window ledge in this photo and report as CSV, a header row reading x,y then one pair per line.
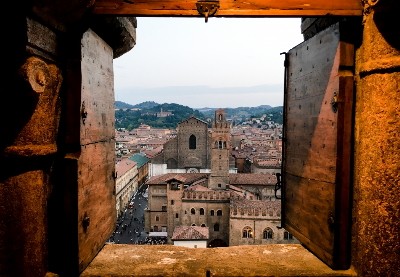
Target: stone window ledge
x,y
169,260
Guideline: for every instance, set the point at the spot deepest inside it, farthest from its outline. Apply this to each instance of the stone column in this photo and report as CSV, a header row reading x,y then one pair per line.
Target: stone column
x,y
376,222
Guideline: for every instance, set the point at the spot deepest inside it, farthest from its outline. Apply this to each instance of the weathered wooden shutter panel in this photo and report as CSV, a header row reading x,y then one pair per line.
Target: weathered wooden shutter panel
x,y
317,145
90,163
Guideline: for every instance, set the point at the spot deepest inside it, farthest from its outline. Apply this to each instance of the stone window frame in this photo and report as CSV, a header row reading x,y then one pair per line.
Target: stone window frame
x,y
219,213
202,211
247,232
268,233
287,235
192,211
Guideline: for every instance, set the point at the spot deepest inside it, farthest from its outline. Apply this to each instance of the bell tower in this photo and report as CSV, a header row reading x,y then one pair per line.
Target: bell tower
x,y
220,145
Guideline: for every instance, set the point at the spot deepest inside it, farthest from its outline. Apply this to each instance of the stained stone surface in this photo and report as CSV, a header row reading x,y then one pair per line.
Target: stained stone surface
x,y
169,260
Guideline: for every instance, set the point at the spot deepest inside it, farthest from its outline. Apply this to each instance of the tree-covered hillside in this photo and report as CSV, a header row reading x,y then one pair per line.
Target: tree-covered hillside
x,y
131,116
130,119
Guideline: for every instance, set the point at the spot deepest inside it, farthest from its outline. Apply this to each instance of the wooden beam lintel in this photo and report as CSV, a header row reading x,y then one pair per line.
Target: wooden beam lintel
x,y
230,8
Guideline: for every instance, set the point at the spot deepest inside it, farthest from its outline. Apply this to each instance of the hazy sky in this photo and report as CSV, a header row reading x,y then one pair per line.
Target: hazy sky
x,y
227,62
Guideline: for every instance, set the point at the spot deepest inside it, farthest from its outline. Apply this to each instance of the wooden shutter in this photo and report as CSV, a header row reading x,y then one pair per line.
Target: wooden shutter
x,y
89,165
317,145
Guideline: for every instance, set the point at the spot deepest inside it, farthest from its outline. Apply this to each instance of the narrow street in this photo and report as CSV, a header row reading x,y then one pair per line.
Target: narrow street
x,y
130,225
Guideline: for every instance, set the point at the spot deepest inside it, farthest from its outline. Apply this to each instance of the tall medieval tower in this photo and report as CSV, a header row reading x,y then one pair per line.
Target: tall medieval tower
x,y
220,145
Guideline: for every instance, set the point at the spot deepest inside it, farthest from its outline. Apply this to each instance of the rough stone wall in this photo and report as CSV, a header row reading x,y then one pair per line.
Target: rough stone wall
x,y
376,218
34,139
29,129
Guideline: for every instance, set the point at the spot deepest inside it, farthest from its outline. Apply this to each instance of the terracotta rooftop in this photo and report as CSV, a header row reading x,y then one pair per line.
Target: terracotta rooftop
x,y
186,178
236,179
258,204
124,166
190,233
198,187
252,179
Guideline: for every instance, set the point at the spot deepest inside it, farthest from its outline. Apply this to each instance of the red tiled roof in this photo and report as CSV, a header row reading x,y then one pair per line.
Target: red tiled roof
x,y
198,187
234,178
186,178
260,204
124,166
252,179
190,233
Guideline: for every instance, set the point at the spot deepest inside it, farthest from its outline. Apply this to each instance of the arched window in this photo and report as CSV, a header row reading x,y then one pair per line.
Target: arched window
x,y
216,227
212,212
287,235
192,142
268,233
203,225
193,224
219,213
201,211
247,232
157,218
192,211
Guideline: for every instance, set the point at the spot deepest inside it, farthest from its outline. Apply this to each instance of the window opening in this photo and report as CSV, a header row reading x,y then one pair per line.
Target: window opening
x,y
287,235
268,233
192,142
247,232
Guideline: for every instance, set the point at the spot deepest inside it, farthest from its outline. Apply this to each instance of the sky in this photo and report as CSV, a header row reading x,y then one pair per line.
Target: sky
x,y
226,62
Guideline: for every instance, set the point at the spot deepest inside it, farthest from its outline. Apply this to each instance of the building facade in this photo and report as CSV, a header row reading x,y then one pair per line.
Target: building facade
x,y
126,183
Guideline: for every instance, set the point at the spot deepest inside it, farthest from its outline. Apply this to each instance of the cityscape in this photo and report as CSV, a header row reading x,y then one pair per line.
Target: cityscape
x,y
206,183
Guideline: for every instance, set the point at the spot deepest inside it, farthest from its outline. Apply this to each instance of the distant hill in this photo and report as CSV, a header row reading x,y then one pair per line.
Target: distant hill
x,y
171,116
130,119
122,105
240,112
144,105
